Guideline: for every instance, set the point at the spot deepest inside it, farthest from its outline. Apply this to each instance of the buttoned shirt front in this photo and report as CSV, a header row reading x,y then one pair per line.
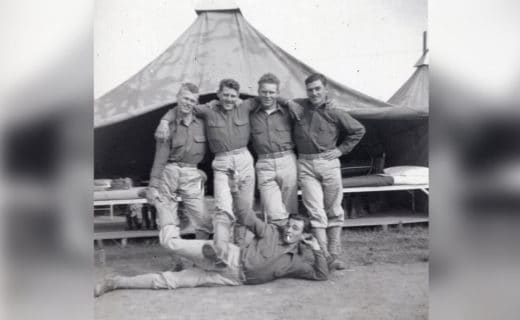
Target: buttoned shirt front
x,y
271,132
319,128
187,143
226,129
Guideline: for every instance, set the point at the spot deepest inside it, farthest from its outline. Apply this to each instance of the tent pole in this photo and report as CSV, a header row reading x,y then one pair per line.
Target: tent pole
x,y
425,41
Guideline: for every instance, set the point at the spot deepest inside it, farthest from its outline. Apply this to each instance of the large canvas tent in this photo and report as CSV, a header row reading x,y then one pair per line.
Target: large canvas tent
x,y
406,141
219,44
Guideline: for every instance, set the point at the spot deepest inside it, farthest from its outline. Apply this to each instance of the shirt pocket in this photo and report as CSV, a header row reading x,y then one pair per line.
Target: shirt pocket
x,y
199,144
283,134
215,123
216,131
178,140
326,132
200,139
241,121
256,131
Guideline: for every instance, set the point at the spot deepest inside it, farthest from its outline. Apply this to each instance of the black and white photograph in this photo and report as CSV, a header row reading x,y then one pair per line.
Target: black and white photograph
x,y
261,160
242,159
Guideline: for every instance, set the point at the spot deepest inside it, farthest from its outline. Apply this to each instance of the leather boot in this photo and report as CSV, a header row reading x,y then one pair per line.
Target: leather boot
x,y
153,217
129,222
145,212
334,242
137,223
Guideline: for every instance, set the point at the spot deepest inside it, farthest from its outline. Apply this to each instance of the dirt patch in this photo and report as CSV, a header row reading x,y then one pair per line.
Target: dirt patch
x,y
386,278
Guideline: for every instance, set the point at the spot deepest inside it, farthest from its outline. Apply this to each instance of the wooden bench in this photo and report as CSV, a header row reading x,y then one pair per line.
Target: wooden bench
x,y
383,221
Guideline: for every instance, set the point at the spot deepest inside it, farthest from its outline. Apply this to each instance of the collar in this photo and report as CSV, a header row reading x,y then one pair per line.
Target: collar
x,y
179,119
277,108
328,103
220,107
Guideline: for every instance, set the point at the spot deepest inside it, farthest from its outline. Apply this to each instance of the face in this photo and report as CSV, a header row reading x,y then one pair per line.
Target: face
x,y
316,92
293,231
186,100
228,97
268,92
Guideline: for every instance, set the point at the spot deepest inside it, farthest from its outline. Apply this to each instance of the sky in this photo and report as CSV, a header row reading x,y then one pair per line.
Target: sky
x,y
367,45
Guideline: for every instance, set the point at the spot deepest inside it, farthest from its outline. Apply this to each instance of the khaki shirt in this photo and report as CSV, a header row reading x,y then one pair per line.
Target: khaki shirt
x,y
272,132
187,143
319,128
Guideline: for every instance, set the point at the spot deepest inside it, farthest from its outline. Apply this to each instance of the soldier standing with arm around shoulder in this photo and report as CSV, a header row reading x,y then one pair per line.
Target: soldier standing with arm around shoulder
x,y
271,135
175,174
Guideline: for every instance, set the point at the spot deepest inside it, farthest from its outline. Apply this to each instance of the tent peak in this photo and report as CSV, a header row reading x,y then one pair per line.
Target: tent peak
x,y
424,60
216,5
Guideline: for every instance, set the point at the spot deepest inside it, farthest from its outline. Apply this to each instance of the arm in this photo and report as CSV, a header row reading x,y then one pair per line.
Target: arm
x,y
253,223
162,151
294,106
247,218
198,110
320,268
248,104
305,269
354,128
201,109
163,131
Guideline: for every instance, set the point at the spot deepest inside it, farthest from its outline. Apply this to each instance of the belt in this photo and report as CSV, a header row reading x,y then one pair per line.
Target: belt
x,y
232,152
312,156
275,155
183,164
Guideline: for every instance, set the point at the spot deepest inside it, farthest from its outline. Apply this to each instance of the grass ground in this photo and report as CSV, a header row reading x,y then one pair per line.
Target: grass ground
x,y
386,278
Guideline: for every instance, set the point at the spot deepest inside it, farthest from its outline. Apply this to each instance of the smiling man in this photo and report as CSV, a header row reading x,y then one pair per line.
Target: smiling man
x,y
275,252
316,136
271,136
175,174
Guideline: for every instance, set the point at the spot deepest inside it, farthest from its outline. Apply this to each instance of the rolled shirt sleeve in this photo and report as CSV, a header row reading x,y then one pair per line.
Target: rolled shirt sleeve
x,y
162,151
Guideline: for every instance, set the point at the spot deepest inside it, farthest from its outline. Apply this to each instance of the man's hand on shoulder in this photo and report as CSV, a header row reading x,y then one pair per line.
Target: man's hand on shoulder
x,y
213,104
295,109
162,133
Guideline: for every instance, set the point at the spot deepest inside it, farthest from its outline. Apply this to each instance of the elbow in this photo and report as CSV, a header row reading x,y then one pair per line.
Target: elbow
x,y
361,131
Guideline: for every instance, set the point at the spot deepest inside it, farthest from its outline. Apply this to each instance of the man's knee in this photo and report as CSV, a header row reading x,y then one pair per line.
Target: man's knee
x,y
168,235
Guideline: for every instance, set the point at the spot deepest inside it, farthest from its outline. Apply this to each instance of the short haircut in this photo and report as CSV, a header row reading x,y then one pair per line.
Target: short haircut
x,y
315,77
269,78
299,217
228,83
189,87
